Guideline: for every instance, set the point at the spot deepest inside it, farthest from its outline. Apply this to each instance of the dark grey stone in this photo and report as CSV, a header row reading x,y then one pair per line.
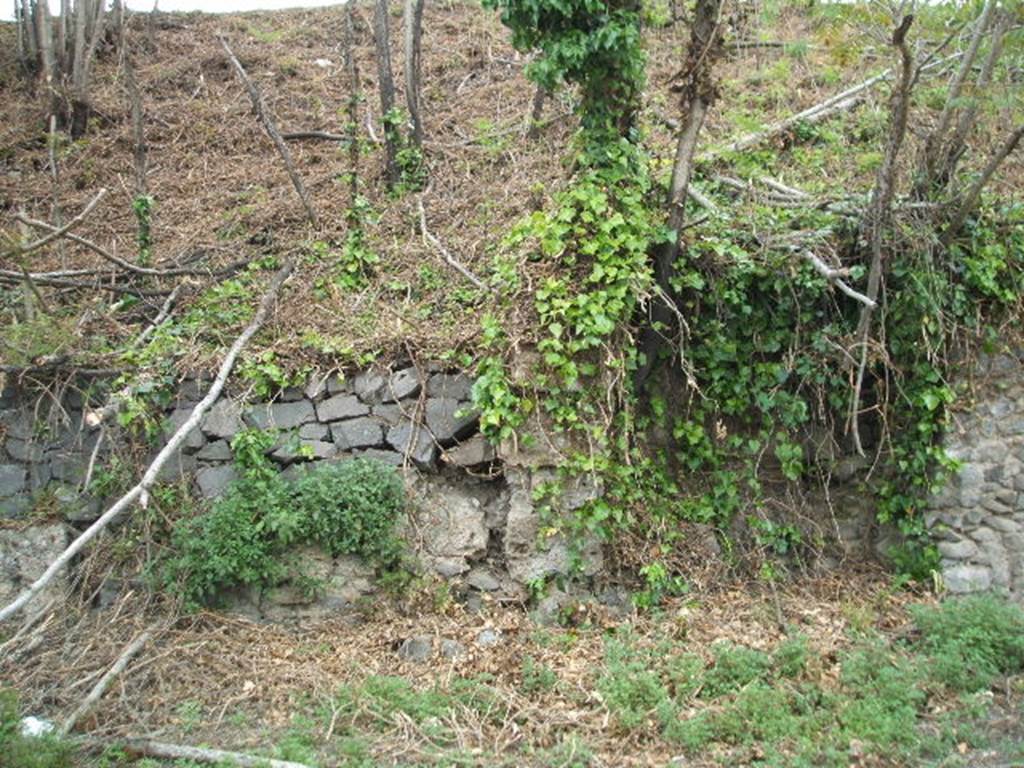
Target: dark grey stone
x,y
314,431
214,481
456,385
452,649
176,468
193,390
68,468
449,419
219,450
14,507
476,450
416,442
391,414
290,395
13,480
341,407
337,384
357,433
958,550
194,440
316,387
18,424
390,458
39,475
370,386
488,637
223,420
482,579
282,415
419,648
24,450
401,384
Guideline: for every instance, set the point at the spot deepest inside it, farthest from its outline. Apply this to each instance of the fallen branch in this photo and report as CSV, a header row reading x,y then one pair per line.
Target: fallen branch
x,y
319,135
104,682
260,108
834,276
821,111
15,277
445,254
161,750
161,316
22,250
140,492
104,253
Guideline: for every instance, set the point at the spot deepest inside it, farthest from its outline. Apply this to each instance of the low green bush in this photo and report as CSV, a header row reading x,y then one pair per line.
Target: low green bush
x,y
346,508
972,640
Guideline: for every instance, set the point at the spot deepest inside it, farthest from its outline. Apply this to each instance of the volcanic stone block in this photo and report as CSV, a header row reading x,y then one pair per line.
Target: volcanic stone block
x,y
404,438
13,480
214,481
449,419
282,415
401,384
457,385
357,433
194,440
223,420
341,407
220,450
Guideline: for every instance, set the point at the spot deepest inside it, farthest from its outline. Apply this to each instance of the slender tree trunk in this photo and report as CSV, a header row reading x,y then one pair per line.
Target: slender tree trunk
x,y
698,93
386,86
879,212
78,124
44,38
934,143
536,112
62,35
81,105
958,141
352,114
140,149
413,20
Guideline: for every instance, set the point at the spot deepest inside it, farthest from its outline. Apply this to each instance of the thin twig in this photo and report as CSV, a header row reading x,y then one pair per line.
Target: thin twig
x,y
260,108
104,682
445,254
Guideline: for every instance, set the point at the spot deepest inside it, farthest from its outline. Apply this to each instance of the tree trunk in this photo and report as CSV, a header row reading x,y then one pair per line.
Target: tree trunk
x,y
413,33
386,86
879,211
352,114
934,143
79,112
698,93
958,141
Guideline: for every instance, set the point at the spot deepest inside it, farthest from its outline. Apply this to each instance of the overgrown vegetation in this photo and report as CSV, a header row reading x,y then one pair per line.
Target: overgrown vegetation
x,y
759,337
756,708
347,508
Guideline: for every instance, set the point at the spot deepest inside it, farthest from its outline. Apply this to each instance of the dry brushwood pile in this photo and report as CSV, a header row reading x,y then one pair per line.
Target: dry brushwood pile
x,y
686,238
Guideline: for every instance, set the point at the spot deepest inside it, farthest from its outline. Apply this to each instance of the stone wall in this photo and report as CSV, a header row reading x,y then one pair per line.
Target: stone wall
x,y
471,513
978,519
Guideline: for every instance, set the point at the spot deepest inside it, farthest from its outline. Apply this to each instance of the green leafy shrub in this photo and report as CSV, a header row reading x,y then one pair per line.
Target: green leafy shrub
x,y
347,508
972,640
351,507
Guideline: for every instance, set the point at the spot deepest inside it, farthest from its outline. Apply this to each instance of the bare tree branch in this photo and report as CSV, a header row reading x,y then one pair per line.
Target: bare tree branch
x,y
260,108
